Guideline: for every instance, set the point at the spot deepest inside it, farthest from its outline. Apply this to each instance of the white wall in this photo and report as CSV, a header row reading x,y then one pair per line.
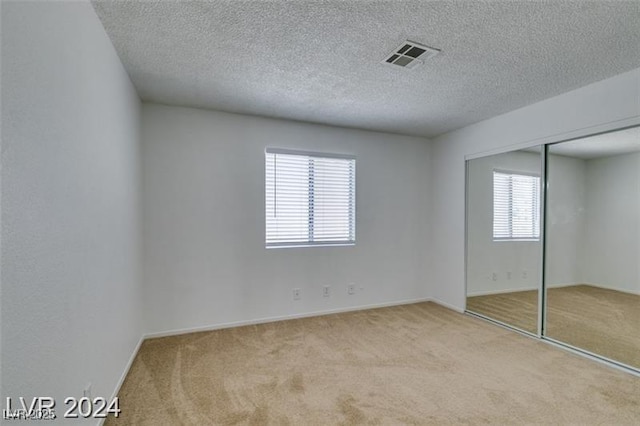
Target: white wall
x,y
612,237
205,263
70,195
565,221
603,105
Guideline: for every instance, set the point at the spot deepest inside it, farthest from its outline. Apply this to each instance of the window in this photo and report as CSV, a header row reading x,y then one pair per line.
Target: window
x,y
516,208
310,199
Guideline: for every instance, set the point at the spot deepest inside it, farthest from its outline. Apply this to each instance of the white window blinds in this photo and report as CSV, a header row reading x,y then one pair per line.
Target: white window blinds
x,y
310,199
516,208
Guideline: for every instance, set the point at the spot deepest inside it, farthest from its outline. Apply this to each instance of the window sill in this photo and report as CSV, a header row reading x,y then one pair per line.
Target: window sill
x,y
308,245
517,240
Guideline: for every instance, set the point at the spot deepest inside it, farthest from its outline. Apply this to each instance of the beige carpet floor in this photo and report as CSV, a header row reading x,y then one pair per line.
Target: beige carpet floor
x,y
602,321
518,309
413,364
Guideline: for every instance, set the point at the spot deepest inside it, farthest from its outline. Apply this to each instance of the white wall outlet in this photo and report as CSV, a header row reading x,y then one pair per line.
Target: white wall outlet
x,y
296,294
524,275
494,276
326,291
87,391
351,288
509,275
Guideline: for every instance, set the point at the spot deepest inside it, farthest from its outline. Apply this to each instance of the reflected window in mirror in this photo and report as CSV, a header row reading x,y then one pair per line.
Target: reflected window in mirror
x,y
516,206
503,237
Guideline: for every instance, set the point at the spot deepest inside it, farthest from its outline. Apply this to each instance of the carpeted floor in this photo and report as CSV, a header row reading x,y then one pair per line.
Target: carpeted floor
x,y
518,309
412,364
603,321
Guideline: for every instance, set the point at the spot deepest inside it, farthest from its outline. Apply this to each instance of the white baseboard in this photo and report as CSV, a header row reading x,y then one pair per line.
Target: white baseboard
x,y
448,305
565,285
612,288
123,376
492,292
267,320
283,318
514,290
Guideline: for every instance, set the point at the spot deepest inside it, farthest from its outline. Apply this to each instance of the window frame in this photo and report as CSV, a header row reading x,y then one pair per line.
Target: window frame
x,y
352,201
536,212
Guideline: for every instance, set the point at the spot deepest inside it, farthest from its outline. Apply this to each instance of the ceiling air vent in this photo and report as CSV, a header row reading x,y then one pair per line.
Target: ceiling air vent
x,y
410,54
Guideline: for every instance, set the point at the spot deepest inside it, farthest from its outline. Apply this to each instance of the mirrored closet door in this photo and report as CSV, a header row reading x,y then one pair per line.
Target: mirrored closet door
x,y
503,237
553,243
592,262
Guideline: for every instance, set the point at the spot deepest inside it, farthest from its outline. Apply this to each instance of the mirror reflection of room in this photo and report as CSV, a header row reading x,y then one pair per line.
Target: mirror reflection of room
x,y
503,237
592,271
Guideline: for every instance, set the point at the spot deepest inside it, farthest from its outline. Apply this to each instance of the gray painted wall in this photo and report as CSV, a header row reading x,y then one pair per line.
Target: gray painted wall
x,y
205,262
71,284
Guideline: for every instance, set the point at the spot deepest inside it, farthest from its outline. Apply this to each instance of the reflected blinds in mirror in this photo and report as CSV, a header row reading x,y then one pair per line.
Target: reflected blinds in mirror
x,y
516,208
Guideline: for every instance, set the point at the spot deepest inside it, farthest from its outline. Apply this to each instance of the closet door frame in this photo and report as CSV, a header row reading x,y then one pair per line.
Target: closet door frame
x,y
543,289
544,144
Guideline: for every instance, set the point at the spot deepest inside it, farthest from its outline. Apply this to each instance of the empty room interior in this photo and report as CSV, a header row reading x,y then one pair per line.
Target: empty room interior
x,y
320,212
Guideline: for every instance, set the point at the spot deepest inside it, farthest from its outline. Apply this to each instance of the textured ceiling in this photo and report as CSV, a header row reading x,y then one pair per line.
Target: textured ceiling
x,y
605,145
320,61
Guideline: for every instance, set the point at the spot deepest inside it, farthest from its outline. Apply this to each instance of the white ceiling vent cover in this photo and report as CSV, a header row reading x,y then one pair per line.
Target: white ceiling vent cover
x,y
409,54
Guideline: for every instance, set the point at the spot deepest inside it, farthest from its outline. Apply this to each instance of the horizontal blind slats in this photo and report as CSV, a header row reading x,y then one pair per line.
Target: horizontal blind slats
x,y
309,199
516,213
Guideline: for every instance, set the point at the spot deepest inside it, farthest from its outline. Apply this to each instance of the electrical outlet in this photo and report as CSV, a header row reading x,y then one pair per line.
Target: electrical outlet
x,y
351,288
494,276
326,291
87,391
509,275
296,294
524,275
